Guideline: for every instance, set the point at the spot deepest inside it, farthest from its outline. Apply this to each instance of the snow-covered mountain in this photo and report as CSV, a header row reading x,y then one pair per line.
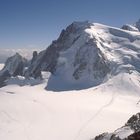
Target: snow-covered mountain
x,y
87,54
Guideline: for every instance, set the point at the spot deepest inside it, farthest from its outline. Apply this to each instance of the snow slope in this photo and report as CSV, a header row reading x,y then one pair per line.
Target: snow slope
x,y
32,113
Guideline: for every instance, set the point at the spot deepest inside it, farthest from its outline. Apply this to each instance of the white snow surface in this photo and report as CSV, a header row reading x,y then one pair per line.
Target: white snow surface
x,y
1,66
32,113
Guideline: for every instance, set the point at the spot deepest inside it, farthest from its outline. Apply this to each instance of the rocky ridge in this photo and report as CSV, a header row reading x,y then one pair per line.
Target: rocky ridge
x,y
130,131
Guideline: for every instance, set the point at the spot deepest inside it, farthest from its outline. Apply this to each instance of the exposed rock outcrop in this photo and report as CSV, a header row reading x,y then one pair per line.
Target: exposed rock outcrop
x,y
130,131
4,75
134,122
134,136
134,27
14,66
130,28
35,54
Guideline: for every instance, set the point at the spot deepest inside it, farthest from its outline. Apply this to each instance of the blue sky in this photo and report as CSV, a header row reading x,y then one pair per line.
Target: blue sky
x,y
35,23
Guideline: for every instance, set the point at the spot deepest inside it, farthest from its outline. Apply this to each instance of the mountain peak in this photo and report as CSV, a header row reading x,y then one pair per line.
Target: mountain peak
x,y
85,54
80,23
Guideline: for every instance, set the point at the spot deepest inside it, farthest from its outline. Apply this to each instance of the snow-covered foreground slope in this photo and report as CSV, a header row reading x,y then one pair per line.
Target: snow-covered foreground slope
x,y
32,113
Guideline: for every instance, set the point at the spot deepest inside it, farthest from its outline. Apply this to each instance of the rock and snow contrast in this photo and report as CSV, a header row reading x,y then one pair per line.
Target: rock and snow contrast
x,y
14,66
86,55
135,27
130,28
130,131
85,83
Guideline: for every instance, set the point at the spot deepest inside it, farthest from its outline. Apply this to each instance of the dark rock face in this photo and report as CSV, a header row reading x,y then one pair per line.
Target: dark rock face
x,y
107,136
135,136
134,27
102,136
30,72
4,75
35,54
99,65
132,124
129,28
47,59
14,66
114,137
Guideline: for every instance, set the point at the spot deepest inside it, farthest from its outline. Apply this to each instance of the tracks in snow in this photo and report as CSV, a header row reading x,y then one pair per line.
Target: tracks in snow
x,y
85,125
